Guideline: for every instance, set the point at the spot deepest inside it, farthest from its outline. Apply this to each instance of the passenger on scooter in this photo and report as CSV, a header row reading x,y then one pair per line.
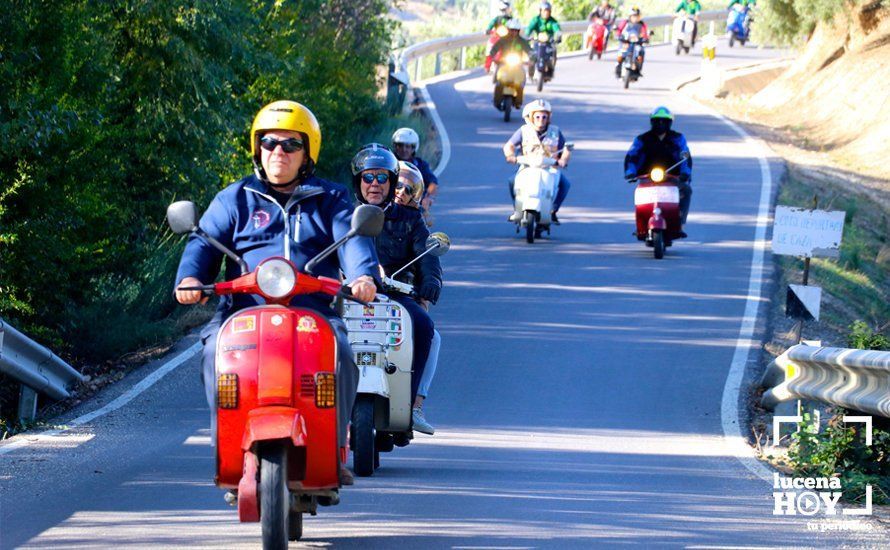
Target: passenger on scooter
x,y
544,22
538,137
692,8
606,12
499,20
634,24
513,42
662,147
405,143
375,174
408,194
283,209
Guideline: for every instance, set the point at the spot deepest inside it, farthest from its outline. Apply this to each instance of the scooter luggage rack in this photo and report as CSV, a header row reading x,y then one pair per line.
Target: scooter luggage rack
x,y
392,337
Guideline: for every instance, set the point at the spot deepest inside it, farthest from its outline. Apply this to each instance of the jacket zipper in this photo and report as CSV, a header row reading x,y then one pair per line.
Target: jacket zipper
x,y
286,221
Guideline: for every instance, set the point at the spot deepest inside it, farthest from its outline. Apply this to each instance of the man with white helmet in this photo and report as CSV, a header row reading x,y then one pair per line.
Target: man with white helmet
x,y
405,143
538,137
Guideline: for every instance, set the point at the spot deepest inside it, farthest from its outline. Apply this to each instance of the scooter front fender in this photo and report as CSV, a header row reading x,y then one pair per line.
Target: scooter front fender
x,y
657,223
372,380
269,423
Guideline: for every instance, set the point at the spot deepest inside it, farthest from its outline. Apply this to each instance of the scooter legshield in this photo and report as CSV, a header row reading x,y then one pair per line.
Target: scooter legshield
x,y
276,354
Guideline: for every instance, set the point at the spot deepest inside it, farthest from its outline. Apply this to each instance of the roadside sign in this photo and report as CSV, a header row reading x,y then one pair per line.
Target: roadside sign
x,y
803,302
808,233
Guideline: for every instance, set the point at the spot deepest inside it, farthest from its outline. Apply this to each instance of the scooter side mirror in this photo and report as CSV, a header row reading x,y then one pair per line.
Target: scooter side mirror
x,y
182,217
570,145
438,243
685,155
367,220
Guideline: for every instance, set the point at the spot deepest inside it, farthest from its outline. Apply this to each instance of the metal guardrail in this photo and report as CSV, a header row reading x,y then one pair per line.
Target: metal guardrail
x,y
437,47
37,368
851,378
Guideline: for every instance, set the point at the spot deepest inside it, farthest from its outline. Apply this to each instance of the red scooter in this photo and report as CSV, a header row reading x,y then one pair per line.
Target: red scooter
x,y
596,38
276,419
657,201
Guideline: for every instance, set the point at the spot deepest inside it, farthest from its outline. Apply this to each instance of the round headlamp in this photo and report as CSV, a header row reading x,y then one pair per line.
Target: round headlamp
x,y
513,59
503,31
543,37
276,277
657,175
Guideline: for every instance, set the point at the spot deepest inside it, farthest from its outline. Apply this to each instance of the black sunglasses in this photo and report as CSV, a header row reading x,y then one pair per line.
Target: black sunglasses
x,y
368,177
406,186
289,145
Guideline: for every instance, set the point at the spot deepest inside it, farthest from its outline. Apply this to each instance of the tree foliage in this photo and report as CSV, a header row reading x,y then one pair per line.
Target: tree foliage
x,y
109,110
788,21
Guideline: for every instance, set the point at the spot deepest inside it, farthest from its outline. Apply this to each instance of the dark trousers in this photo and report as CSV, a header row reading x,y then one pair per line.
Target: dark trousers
x,y
423,327
685,199
347,373
562,190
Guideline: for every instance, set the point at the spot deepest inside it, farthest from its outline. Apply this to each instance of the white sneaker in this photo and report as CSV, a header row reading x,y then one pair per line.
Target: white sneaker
x,y
420,423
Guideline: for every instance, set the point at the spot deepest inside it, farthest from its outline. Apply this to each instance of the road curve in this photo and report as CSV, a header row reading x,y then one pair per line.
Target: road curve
x,y
578,400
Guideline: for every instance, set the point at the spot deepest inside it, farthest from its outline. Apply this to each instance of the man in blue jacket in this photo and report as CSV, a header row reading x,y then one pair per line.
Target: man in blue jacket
x,y
282,210
662,147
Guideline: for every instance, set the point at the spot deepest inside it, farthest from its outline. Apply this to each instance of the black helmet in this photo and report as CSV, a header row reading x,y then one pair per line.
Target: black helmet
x,y
374,156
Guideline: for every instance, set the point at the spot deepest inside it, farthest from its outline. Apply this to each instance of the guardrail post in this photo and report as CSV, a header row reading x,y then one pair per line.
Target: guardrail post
x,y
27,404
438,70
711,27
463,58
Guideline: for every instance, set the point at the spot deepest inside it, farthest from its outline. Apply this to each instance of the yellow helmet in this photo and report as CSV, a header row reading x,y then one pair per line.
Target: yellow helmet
x,y
286,115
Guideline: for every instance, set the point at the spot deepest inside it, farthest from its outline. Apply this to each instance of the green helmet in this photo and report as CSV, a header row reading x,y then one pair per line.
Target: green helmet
x,y
662,112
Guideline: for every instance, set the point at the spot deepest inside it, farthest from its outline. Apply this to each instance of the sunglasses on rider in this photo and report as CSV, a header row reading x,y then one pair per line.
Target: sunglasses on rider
x,y
289,145
541,116
406,186
369,178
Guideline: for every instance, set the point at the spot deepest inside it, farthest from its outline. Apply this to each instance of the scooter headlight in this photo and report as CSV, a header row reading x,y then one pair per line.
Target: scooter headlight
x,y
633,38
503,31
513,59
657,175
543,37
276,277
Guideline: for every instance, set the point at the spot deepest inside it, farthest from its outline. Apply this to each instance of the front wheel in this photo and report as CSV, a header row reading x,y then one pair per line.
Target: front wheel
x,y
364,436
599,55
531,222
540,81
507,106
274,501
592,50
658,244
731,40
626,79
678,48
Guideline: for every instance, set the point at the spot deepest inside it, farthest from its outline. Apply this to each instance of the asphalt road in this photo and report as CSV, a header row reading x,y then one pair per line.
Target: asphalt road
x,y
580,392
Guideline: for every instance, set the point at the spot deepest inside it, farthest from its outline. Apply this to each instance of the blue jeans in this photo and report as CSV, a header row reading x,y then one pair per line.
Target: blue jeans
x,y
562,190
429,370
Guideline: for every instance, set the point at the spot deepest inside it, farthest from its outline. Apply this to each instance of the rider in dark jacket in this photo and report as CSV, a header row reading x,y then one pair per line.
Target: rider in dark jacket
x,y
662,147
375,172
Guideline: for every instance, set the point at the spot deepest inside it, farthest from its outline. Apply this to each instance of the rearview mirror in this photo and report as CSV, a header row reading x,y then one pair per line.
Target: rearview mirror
x,y
182,217
439,243
367,220
570,145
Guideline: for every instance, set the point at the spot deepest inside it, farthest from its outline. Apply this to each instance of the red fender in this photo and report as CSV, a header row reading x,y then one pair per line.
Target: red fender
x,y
268,423
657,222
248,507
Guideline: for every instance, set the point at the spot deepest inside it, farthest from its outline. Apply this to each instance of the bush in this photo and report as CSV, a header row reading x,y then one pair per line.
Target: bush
x,y
110,110
863,337
789,21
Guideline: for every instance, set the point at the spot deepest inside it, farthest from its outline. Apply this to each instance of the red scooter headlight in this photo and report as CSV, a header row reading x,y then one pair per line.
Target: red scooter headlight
x,y
276,277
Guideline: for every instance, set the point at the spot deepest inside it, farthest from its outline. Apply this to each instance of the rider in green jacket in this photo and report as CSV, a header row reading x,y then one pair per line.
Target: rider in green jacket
x,y
691,8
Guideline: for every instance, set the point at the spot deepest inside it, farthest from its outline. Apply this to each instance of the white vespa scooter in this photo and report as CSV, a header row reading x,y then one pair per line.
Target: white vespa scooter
x,y
534,191
381,337
682,33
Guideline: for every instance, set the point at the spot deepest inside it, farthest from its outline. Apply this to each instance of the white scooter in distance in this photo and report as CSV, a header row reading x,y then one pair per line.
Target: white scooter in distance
x,y
682,33
534,190
381,337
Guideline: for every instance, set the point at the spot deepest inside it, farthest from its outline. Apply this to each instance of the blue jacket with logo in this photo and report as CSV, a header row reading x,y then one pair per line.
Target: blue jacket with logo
x,y
647,152
249,221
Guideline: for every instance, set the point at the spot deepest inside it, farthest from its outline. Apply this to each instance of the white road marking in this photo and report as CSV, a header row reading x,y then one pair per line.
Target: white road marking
x,y
147,382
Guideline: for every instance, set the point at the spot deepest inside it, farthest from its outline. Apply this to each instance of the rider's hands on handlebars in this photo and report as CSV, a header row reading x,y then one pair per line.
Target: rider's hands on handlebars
x,y
562,162
364,288
511,159
186,297
430,292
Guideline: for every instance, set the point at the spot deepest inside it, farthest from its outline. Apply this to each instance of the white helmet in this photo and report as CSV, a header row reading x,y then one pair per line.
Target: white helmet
x,y
407,136
514,24
410,174
535,106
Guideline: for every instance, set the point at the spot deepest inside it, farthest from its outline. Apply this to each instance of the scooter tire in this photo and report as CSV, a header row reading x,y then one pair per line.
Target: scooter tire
x,y
592,50
364,437
295,525
274,497
731,40
507,106
678,47
541,82
531,221
599,55
627,80
658,245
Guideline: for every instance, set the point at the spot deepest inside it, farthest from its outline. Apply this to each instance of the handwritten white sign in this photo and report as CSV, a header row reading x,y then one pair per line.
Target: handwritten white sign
x,y
802,232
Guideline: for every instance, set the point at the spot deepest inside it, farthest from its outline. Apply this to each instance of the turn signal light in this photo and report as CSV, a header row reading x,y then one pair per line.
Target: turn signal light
x,y
325,390
227,391
657,175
